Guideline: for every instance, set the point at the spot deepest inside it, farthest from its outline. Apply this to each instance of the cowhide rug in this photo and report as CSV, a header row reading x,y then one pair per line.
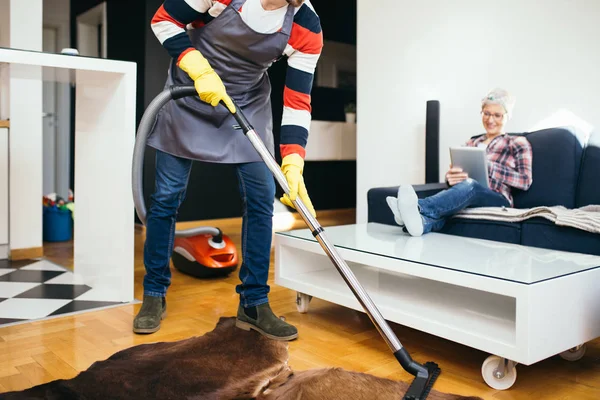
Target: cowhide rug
x,y
226,363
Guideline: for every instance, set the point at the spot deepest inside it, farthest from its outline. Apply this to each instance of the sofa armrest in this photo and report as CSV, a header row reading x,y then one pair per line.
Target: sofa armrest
x,y
378,210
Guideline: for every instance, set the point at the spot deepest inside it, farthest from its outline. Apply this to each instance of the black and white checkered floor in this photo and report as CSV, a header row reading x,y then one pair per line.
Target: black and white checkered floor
x,y
36,289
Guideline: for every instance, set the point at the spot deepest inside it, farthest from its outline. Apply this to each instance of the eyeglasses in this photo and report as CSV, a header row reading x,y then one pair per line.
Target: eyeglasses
x,y
488,115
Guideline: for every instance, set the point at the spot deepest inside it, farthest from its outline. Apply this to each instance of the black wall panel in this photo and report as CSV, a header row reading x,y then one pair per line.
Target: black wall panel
x,y
432,142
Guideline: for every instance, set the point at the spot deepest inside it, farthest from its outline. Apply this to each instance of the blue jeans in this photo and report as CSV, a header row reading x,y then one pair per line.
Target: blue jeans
x,y
257,188
469,193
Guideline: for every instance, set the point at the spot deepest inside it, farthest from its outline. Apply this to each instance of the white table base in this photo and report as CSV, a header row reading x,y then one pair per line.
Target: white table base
x,y
524,323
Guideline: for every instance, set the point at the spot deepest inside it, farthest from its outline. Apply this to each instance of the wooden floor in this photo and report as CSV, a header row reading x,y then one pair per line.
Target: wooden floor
x,y
330,335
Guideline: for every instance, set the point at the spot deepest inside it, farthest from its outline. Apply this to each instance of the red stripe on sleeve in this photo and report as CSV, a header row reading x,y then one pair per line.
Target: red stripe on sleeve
x,y
162,15
287,149
306,41
296,100
183,54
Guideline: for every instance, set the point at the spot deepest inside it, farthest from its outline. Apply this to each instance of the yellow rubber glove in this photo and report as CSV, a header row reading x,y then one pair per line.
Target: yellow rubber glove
x,y
208,84
292,167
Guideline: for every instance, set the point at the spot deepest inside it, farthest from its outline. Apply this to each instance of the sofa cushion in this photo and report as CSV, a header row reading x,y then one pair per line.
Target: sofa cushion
x,y
588,187
484,229
378,209
540,232
552,148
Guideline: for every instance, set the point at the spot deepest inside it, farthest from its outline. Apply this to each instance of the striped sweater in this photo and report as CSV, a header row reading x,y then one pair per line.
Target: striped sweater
x,y
303,50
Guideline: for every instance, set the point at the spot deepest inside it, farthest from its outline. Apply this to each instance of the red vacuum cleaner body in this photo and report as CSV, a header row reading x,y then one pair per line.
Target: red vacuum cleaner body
x,y
205,256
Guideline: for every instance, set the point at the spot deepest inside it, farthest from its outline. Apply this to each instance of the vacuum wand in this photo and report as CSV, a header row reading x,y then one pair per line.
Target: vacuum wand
x,y
317,232
425,375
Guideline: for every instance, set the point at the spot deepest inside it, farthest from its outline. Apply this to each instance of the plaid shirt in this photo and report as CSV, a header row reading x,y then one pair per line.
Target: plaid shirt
x,y
509,159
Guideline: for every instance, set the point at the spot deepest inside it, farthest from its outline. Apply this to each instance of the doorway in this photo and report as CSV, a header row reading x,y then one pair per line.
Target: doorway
x,y
91,32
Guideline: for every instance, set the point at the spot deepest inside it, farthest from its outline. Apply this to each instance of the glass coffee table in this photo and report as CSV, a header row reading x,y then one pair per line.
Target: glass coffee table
x,y
520,304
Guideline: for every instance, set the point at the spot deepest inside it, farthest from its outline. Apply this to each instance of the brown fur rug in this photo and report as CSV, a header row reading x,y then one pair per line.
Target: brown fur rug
x,y
226,363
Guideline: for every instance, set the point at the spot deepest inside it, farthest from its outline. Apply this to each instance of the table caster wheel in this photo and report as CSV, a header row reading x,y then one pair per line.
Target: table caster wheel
x,y
574,354
302,302
499,373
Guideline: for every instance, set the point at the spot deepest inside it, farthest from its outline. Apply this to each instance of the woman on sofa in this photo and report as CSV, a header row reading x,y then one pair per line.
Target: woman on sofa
x,y
509,159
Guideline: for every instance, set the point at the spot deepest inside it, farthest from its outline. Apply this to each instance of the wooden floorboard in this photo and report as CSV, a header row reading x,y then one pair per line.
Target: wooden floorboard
x,y
330,335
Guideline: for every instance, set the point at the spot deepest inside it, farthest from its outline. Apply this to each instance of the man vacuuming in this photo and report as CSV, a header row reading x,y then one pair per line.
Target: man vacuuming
x,y
224,48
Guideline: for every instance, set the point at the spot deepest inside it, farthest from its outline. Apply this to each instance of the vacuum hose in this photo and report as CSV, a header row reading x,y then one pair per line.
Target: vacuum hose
x,y
148,119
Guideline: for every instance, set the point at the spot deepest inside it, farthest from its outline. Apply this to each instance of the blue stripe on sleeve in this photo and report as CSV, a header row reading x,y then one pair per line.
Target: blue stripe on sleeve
x,y
293,134
306,18
299,81
177,44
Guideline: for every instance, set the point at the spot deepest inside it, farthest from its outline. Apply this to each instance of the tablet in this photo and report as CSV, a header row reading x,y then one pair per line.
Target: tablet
x,y
473,161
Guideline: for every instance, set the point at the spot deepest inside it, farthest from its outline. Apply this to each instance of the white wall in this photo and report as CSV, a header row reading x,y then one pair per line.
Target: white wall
x,y
4,42
546,53
26,24
25,128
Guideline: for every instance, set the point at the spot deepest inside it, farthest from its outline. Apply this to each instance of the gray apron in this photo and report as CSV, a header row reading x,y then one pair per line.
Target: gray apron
x,y
193,129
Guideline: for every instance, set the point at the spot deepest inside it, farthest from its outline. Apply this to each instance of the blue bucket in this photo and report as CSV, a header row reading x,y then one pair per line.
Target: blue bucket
x,y
58,225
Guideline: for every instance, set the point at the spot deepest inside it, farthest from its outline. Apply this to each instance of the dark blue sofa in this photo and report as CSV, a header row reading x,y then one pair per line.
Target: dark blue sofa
x,y
566,171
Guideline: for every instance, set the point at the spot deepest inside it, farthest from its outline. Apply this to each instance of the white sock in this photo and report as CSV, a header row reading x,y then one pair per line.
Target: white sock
x,y
393,204
408,204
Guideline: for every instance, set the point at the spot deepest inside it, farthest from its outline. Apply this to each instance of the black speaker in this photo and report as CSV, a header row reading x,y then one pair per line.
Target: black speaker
x,y
432,142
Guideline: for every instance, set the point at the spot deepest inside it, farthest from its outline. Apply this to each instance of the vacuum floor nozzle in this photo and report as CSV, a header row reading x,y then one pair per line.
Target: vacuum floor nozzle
x,y
421,385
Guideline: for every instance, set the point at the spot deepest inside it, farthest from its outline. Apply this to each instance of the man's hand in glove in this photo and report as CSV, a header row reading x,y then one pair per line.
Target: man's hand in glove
x,y
208,84
292,167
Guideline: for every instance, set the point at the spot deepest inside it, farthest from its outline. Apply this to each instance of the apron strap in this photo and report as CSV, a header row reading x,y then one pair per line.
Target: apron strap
x,y
288,22
236,4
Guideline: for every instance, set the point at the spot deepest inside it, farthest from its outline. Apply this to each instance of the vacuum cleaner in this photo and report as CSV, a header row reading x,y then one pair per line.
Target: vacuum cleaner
x,y
425,374
201,252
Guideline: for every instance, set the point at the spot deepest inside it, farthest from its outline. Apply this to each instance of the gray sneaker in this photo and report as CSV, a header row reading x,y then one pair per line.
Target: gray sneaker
x,y
153,310
266,323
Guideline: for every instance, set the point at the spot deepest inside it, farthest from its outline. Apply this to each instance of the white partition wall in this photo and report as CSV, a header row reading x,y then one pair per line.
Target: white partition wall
x,y
26,157
408,52
3,193
22,29
4,42
105,135
104,139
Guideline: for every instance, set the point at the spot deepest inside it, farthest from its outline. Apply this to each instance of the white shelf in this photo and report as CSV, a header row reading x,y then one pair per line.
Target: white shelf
x,y
409,300
330,141
80,63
